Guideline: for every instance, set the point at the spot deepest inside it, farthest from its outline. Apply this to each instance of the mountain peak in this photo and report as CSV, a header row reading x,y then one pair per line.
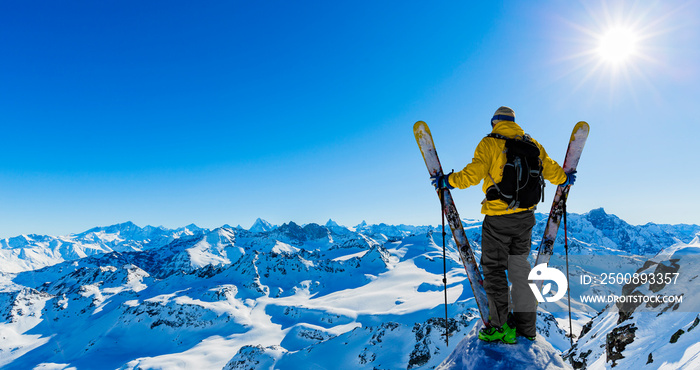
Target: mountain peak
x,y
598,212
127,226
261,226
602,219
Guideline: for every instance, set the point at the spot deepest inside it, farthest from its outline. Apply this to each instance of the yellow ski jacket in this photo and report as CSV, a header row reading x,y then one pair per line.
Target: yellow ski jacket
x,y
487,164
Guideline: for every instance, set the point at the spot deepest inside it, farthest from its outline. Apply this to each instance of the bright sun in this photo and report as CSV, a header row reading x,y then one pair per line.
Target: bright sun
x,y
617,45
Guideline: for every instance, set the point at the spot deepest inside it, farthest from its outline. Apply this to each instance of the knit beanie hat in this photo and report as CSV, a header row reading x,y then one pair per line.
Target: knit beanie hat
x,y
503,114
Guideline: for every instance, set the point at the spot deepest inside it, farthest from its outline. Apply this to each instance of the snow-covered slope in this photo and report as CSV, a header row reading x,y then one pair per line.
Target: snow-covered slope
x,y
286,297
656,334
225,290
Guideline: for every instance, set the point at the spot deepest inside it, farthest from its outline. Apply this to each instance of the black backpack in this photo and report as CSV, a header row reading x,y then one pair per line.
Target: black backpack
x,y
522,185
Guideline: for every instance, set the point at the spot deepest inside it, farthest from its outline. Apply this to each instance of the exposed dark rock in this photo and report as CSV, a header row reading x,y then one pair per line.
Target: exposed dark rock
x,y
617,340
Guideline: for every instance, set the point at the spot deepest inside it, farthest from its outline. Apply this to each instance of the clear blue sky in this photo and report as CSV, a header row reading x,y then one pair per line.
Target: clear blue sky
x,y
220,112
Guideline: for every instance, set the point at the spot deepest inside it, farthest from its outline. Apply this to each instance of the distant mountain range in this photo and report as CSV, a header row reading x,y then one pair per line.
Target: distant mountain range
x,y
30,252
291,296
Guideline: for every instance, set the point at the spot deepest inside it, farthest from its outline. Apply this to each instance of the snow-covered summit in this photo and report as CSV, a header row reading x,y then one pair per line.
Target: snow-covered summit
x,y
261,226
474,354
331,224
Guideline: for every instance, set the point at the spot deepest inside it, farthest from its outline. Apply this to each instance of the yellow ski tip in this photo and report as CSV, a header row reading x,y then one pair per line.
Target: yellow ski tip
x,y
421,126
581,125
422,133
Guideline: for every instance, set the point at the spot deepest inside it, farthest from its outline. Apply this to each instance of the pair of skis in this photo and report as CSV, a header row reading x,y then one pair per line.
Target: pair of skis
x,y
427,147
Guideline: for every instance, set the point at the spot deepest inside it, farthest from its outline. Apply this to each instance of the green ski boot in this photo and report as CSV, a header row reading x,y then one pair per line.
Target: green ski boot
x,y
491,334
508,334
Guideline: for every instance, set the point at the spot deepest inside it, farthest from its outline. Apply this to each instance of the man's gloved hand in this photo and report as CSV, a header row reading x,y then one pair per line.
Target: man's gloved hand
x,y
570,179
441,181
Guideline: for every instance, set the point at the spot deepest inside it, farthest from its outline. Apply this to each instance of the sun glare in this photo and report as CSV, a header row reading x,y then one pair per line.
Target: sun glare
x,y
617,45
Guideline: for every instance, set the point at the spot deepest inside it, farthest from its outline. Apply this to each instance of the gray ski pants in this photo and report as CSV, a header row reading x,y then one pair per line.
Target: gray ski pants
x,y
505,245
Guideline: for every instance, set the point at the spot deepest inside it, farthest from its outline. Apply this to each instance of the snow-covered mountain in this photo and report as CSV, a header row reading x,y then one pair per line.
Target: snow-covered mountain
x,y
31,252
298,296
636,333
601,231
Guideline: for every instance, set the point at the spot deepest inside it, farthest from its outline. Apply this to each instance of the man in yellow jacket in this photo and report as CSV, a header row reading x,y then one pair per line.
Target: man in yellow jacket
x,y
506,231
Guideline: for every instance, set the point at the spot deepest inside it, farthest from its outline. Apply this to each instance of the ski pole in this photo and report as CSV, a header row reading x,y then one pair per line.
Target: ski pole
x,y
444,262
568,289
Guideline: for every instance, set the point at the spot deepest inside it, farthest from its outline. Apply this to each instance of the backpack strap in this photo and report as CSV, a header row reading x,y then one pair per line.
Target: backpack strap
x,y
525,137
497,136
494,192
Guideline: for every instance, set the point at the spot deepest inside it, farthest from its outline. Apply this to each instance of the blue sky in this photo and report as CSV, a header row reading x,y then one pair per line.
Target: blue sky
x,y
220,112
